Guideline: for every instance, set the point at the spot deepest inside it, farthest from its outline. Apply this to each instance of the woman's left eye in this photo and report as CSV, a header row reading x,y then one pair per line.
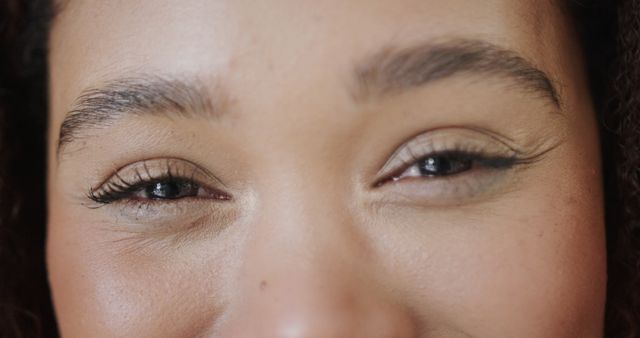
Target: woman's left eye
x,y
168,190
451,164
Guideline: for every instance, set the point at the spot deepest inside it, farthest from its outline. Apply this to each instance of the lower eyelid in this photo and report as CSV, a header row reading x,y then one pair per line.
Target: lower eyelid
x,y
150,214
448,190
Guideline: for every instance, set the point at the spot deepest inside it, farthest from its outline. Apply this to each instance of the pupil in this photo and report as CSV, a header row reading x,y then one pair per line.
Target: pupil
x,y
168,190
444,165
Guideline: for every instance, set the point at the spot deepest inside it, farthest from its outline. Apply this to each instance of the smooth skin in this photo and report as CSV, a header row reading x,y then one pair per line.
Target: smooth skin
x,y
296,208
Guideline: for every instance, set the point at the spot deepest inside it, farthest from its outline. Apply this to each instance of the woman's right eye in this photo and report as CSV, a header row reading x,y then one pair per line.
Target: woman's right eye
x,y
158,181
164,195
168,189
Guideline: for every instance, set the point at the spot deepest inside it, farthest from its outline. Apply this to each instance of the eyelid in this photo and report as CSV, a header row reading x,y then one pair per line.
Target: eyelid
x,y
473,141
150,170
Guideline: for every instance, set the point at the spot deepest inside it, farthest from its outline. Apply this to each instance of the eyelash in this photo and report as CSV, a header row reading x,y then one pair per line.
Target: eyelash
x,y
122,189
118,189
479,160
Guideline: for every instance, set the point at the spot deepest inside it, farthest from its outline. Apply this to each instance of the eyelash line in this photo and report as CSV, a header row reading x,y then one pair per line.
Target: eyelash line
x,y
485,160
111,192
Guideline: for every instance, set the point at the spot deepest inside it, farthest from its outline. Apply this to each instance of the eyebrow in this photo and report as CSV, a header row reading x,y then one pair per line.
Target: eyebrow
x,y
387,72
394,70
140,95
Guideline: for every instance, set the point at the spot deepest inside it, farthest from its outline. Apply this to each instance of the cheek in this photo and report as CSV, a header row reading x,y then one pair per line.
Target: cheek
x,y
537,258
115,285
545,271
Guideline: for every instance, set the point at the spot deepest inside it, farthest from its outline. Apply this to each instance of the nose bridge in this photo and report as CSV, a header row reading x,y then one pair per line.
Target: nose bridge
x,y
303,240
304,215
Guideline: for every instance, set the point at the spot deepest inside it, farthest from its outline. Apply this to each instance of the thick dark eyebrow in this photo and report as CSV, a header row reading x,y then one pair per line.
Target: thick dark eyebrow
x,y
395,70
140,95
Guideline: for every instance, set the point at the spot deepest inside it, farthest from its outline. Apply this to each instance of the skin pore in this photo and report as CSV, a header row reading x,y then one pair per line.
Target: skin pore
x,y
322,169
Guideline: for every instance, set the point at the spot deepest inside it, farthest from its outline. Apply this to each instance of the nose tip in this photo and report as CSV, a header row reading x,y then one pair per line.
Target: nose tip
x,y
329,311
337,325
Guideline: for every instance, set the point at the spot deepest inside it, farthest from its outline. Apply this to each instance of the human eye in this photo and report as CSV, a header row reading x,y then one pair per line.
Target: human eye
x,y
161,192
156,181
453,162
452,165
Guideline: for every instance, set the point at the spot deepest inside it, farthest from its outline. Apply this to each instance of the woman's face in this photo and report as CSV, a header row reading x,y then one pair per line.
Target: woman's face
x,y
287,168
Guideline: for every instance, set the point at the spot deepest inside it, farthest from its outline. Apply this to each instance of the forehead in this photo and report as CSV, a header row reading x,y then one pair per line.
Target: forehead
x,y
93,40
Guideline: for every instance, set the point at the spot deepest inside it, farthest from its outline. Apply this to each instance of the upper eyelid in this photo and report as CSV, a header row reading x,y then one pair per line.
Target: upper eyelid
x,y
106,186
398,150
196,166
476,157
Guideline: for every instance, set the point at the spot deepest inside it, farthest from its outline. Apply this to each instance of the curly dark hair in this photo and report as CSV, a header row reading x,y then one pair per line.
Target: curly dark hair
x,y
610,33
622,118
25,308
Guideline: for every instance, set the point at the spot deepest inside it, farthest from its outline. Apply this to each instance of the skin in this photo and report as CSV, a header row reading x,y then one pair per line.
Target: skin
x,y
309,243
